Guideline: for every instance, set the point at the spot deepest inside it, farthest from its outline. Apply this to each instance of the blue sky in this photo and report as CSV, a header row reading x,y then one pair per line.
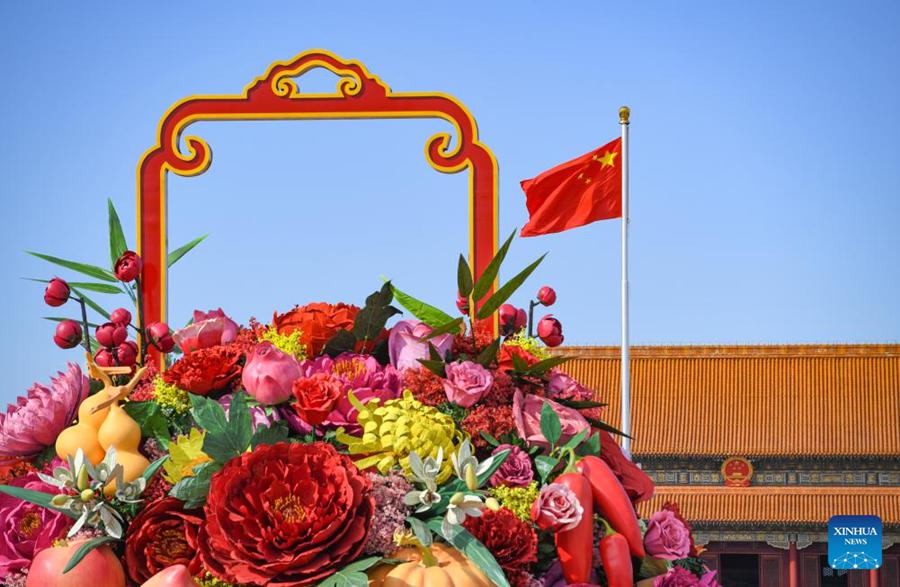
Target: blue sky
x,y
765,176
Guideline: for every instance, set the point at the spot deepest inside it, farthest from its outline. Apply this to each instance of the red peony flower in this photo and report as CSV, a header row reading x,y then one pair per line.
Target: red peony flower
x,y
512,542
505,357
316,396
161,535
496,421
206,370
285,515
317,323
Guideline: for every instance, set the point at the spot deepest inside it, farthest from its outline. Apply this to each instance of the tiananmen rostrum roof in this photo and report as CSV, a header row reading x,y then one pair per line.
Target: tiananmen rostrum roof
x,y
765,504
785,400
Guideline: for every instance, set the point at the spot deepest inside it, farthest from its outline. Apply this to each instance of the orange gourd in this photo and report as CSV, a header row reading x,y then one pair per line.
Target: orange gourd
x,y
448,567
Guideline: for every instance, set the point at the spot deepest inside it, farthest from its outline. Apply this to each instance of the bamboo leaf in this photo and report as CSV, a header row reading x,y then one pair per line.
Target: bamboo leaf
x,y
91,270
85,549
86,285
604,426
117,244
501,295
474,550
424,312
452,326
36,497
487,278
463,277
183,250
60,319
91,303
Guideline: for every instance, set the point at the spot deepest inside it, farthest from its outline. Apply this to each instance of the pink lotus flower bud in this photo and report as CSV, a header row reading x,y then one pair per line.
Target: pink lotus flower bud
x,y
57,292
126,353
104,358
120,317
462,303
550,331
110,335
270,373
128,267
546,295
159,335
406,344
68,334
208,329
512,319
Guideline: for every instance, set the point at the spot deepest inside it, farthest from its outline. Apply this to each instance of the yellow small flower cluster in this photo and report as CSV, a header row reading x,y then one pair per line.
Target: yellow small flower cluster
x,y
527,343
171,397
286,343
185,453
207,580
517,499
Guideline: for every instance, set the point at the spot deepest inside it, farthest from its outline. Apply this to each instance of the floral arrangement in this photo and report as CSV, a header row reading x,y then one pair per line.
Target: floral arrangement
x,y
334,445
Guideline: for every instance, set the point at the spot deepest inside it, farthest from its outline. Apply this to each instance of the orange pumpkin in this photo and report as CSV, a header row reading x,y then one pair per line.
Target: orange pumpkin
x,y
449,568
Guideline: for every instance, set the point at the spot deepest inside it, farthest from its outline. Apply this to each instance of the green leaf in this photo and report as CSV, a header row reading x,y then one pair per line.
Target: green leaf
x,y
499,459
591,446
36,497
208,414
519,364
151,470
91,270
235,439
370,320
151,419
91,303
474,550
604,426
424,312
343,341
86,285
86,548
421,530
487,278
436,367
580,404
489,354
541,367
550,425
273,434
183,250
490,439
193,490
117,244
60,319
576,440
463,277
509,288
352,575
452,326
545,466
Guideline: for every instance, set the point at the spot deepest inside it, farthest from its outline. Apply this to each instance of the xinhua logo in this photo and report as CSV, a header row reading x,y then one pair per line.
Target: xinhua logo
x,y
854,542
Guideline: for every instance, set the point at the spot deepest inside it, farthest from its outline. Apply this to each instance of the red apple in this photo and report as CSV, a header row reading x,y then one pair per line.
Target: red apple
x,y
100,568
174,576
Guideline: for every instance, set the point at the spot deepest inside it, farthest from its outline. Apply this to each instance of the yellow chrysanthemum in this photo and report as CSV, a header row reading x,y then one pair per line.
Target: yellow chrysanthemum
x,y
518,500
286,343
391,431
169,396
532,345
185,454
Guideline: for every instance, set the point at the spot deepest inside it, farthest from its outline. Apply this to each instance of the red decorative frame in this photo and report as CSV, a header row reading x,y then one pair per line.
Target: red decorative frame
x,y
275,96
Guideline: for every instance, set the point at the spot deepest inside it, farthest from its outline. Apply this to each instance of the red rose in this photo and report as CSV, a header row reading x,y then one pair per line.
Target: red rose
x,y
285,515
206,370
316,396
161,535
128,266
512,542
316,322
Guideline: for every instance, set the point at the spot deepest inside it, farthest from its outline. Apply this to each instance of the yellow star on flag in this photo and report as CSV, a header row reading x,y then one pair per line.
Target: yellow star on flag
x,y
607,159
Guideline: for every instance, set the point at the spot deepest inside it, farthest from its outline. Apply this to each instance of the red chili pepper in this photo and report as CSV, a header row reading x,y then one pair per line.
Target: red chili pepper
x,y
611,501
574,547
616,561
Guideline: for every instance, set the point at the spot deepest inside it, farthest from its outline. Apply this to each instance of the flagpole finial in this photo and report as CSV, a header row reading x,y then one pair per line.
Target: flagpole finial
x,y
624,114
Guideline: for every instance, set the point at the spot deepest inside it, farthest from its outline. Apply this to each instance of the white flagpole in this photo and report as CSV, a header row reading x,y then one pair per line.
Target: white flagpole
x,y
624,114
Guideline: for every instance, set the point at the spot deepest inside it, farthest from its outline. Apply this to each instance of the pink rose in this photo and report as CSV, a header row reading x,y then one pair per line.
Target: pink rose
x,y
27,528
516,470
556,509
709,580
677,577
527,415
667,537
562,385
208,330
466,383
406,347
269,374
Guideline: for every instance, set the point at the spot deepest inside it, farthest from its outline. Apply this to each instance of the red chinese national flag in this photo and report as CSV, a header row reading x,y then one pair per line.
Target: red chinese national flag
x,y
576,193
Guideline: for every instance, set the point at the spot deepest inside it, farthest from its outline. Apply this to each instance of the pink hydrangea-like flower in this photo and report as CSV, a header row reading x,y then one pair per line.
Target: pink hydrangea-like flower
x,y
361,374
36,420
390,512
516,470
556,509
667,537
27,529
406,345
208,329
677,577
527,415
466,383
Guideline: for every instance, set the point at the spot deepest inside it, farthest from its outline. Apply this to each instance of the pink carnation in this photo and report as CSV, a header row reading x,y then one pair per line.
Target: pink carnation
x,y
667,537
